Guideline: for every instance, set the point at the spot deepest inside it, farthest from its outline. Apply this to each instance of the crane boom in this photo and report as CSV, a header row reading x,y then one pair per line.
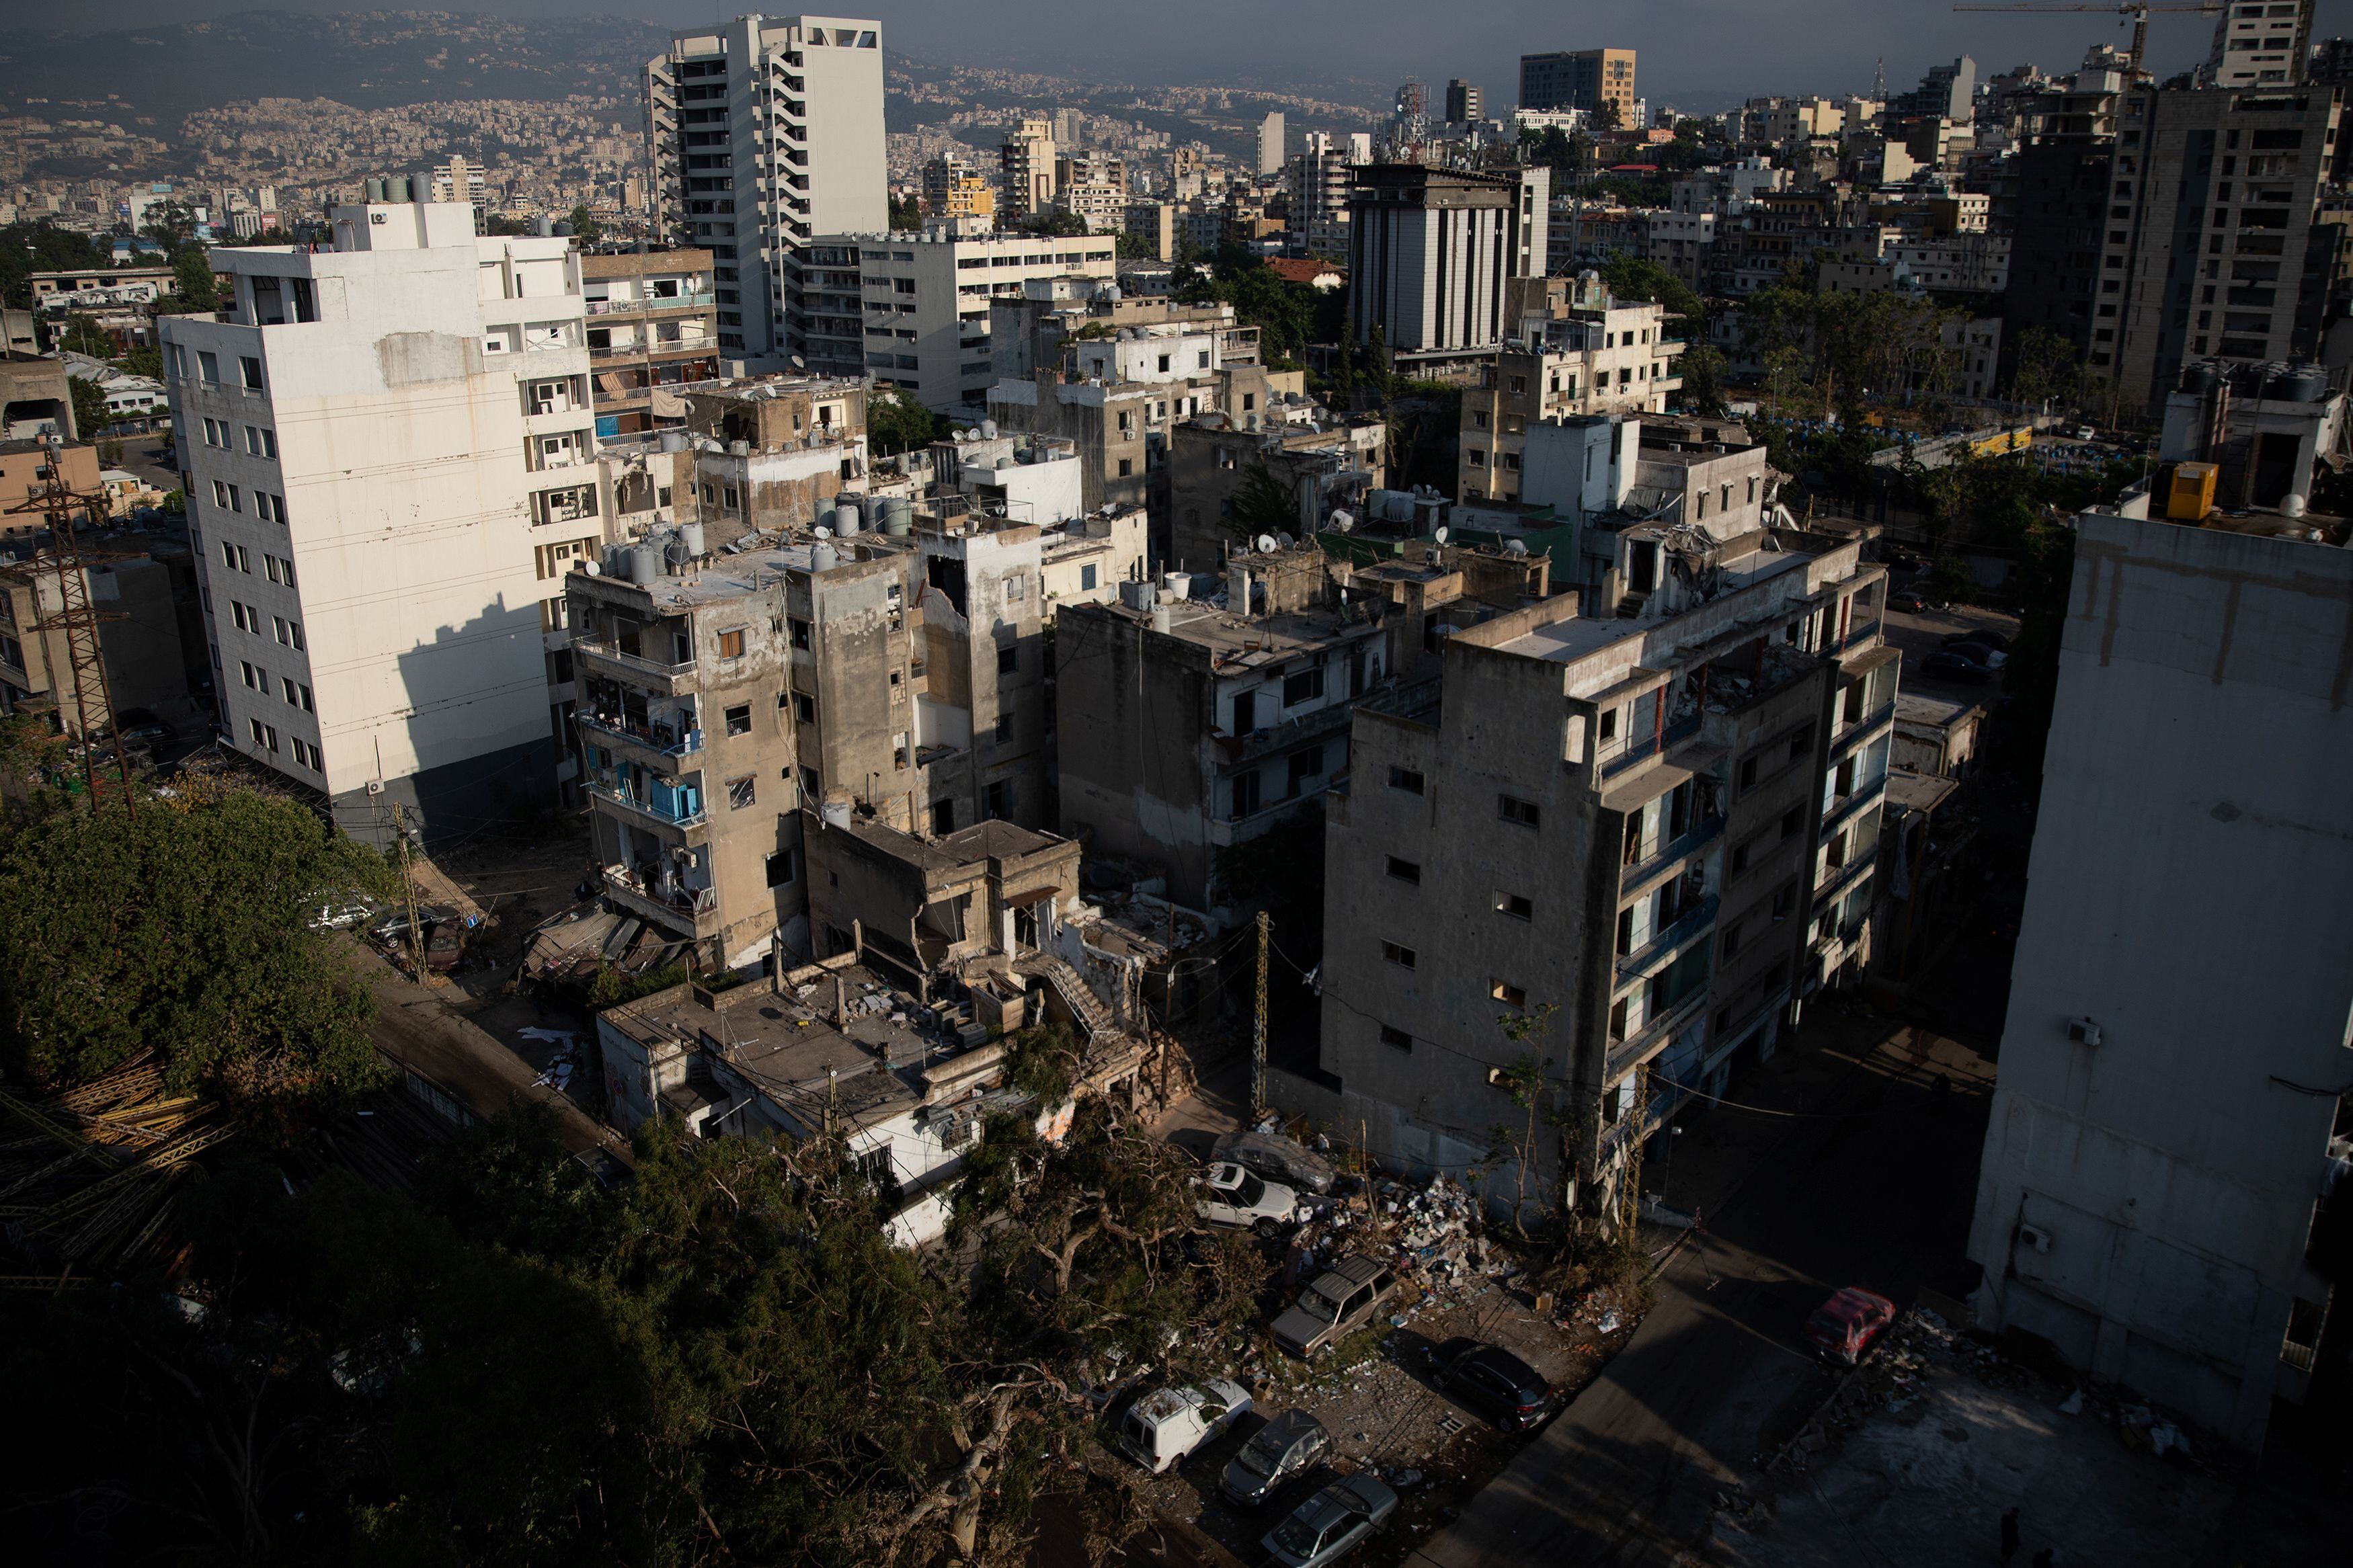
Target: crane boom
x,y
2138,12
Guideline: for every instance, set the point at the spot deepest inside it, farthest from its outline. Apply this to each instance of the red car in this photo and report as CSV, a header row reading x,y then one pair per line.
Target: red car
x,y
1846,1327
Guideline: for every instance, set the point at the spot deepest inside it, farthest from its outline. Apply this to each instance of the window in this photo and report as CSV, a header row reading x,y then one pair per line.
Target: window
x,y
1510,995
1245,794
1405,779
215,433
1625,930
1740,857
1512,809
739,718
1801,742
269,509
1618,1018
246,617
1405,871
731,644
264,735
1009,660
800,633
1403,957
1005,724
226,497
780,868
1785,900
1126,467
1518,906
256,678
1086,578
307,755
287,633
208,367
1017,586
1395,1038
1609,724
1747,772
1732,939
262,443
1305,687
803,708
249,371
739,793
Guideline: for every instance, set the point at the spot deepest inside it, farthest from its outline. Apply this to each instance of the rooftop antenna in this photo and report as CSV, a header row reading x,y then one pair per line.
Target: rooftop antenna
x,y
1879,82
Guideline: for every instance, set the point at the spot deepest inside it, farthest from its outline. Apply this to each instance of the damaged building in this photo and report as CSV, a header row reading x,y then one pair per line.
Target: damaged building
x,y
1648,830
1318,464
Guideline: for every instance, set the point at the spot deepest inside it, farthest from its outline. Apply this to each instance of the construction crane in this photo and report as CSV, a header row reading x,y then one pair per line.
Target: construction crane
x,y
75,618
2138,12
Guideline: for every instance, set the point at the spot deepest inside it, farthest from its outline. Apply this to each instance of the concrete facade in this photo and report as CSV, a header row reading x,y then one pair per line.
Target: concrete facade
x,y
1319,468
1431,251
2175,1053
763,133
652,323
382,432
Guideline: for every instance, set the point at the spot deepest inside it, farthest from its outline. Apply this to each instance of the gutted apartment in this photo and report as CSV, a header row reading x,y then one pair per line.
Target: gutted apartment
x,y
1646,837
1317,462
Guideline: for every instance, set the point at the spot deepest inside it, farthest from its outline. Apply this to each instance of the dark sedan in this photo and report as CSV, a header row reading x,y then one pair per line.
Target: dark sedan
x,y
1283,1447
1955,664
1495,1383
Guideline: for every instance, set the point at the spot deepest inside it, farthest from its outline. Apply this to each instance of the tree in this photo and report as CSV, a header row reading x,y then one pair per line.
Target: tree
x,y
1523,1079
29,248
83,336
1634,278
2048,370
1136,247
145,360
1607,116
192,279
907,214
1263,504
182,929
90,410
1703,368
1055,223
896,422
585,226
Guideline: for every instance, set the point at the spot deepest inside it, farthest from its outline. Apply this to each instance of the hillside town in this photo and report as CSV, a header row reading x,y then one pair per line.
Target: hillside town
x,y
795,806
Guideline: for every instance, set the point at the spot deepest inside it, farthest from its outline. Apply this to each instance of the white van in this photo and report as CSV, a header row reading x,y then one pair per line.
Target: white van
x,y
1162,1426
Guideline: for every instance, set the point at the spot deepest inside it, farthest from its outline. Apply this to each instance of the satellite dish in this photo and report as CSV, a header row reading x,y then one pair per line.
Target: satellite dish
x,y
1265,544
963,435
1441,535
823,532
799,364
1285,541
1515,547
1342,523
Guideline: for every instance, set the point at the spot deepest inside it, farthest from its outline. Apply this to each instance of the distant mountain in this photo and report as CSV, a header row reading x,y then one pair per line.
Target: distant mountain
x,y
369,59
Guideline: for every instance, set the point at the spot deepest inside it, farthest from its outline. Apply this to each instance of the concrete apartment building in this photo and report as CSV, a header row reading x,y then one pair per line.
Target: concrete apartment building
x,y
2147,1201
955,191
902,664
911,307
2217,242
1466,103
1655,833
764,134
771,454
2260,44
1432,253
1574,351
1580,79
139,641
1025,172
375,438
1322,464
652,323
1079,360
1319,185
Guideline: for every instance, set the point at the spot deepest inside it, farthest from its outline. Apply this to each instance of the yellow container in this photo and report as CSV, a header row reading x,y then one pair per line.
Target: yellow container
x,y
2192,496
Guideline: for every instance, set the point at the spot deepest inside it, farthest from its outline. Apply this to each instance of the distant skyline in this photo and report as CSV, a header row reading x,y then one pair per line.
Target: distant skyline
x,y
1699,55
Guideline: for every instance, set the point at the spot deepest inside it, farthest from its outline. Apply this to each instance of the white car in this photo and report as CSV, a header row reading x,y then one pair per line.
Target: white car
x,y
1231,1195
1165,1425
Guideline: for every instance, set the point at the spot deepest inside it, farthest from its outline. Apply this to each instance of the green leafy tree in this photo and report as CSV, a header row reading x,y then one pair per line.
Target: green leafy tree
x,y
192,279
1136,247
83,336
1524,1079
1057,223
2049,370
896,422
1263,504
907,214
145,360
585,226
1704,367
29,248
182,929
89,406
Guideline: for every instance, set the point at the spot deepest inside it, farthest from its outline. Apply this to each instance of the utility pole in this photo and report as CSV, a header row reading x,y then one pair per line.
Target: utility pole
x,y
77,619
409,892
1258,1033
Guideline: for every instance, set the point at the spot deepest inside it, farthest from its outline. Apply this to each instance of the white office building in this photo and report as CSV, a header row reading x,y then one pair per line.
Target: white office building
x,y
385,447
912,305
2261,43
764,134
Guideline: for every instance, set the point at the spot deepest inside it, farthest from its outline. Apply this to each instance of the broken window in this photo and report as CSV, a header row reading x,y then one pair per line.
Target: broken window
x,y
1403,957
803,708
1516,905
1405,779
739,793
780,868
1303,687
1405,871
1513,809
1394,1037
1303,766
800,631
1510,995
1009,660
1245,791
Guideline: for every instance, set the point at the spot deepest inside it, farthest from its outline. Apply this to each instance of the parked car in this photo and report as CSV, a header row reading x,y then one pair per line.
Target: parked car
x,y
1335,1304
1954,665
1494,1383
1168,1424
1231,1195
1332,1523
341,914
1277,1159
140,727
1914,599
1984,637
1901,557
1283,1447
1846,1327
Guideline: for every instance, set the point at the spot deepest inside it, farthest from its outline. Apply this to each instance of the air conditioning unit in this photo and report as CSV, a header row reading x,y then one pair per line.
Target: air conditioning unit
x,y
2082,1031
2038,1239
375,787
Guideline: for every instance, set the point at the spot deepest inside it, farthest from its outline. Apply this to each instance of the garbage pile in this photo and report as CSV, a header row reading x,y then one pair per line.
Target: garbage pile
x,y
561,1064
1431,1233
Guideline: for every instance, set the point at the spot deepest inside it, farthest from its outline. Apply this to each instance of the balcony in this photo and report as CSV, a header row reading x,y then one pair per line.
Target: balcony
x,y
683,814
1652,1037
660,741
669,679
1687,927
1849,734
1655,745
690,912
1696,836
692,299
1837,879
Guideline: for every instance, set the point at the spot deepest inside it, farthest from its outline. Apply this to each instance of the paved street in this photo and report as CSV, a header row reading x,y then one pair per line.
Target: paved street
x,y
1854,1182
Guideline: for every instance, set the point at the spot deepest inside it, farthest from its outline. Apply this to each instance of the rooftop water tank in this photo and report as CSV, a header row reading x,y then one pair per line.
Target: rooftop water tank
x,y
739,448
1176,584
691,535
836,808
1135,594
898,517
846,520
673,440
644,565
824,558
2307,382
1160,617
988,430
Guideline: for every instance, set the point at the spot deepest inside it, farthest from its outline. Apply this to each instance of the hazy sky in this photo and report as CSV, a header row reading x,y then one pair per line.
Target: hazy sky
x,y
1696,54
